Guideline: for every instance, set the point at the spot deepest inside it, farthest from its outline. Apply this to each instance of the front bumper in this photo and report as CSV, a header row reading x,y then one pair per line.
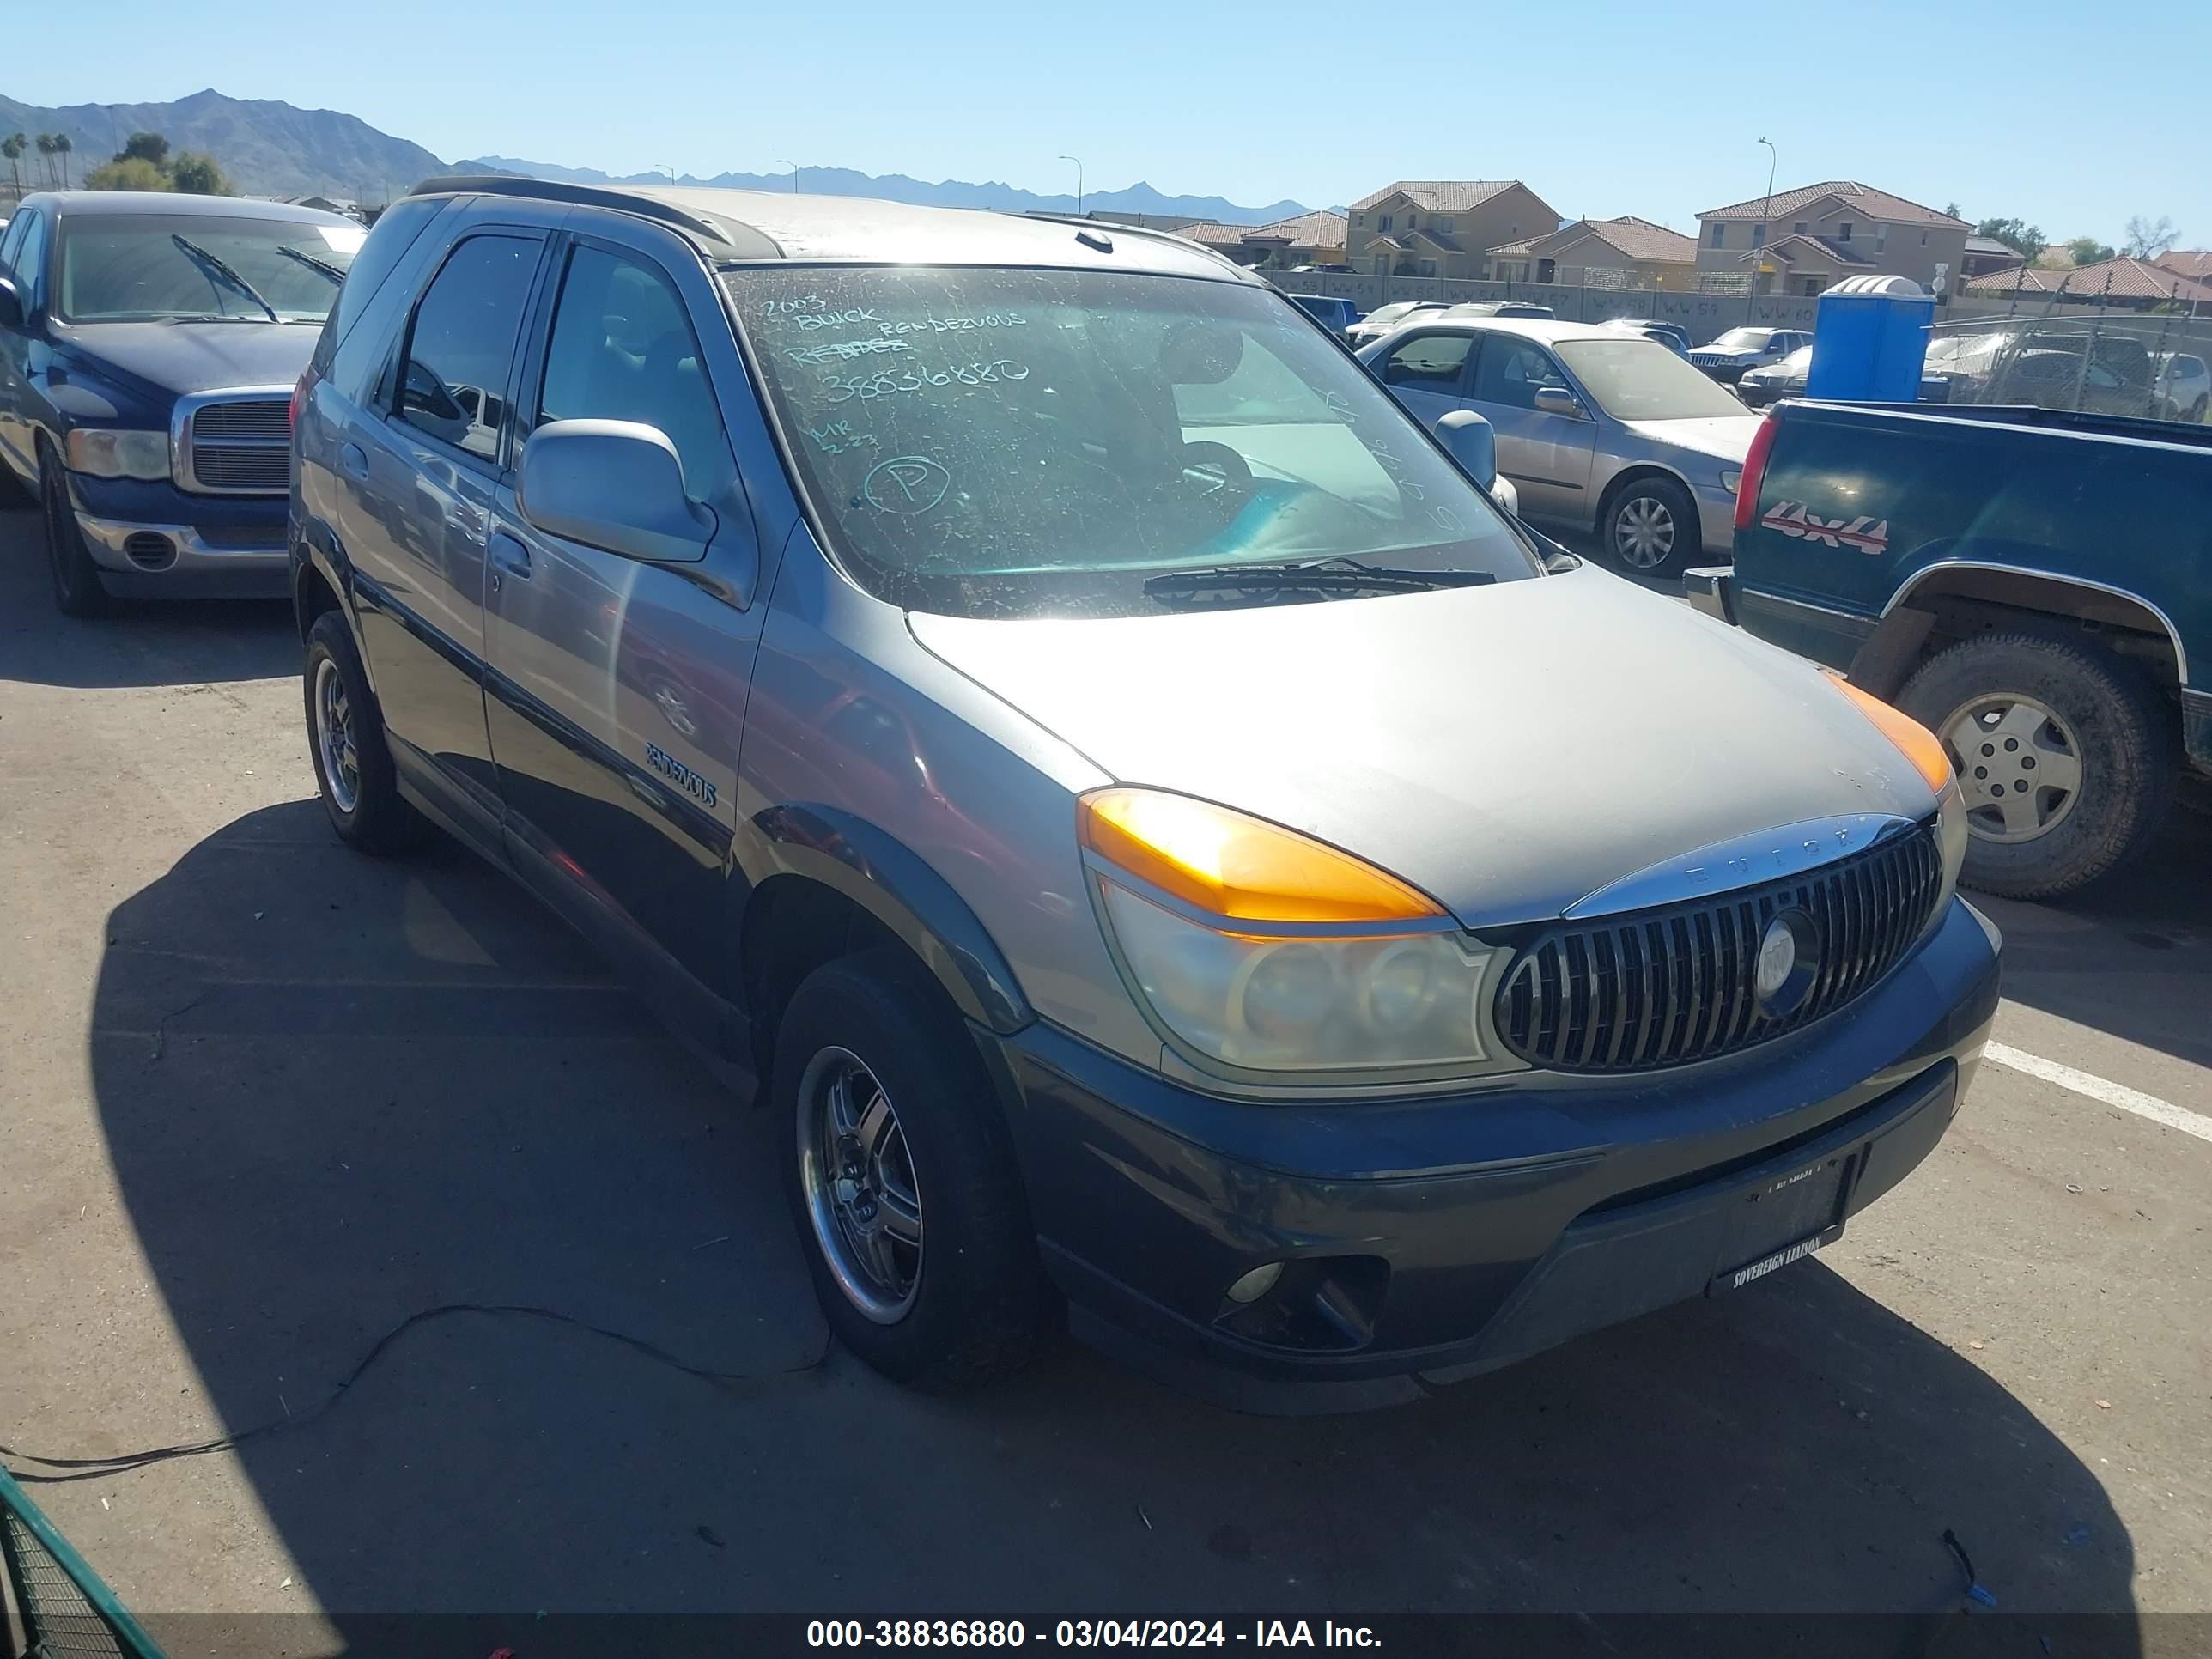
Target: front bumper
x,y
1712,592
1429,1239
151,540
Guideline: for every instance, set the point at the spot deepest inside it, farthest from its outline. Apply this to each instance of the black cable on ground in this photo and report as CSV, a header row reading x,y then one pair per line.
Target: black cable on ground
x,y
97,1469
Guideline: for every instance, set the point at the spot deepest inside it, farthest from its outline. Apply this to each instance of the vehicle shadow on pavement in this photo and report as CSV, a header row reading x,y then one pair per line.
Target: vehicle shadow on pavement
x,y
2131,955
337,1092
181,641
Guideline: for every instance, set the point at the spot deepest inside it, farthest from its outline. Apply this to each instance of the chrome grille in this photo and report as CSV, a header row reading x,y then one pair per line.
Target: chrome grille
x,y
239,445
1668,986
235,466
269,423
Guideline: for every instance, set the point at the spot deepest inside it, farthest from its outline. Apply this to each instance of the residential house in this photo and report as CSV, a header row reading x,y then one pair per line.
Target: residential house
x,y
2136,283
1986,254
1804,241
1442,226
1623,253
1310,238
2192,263
1227,240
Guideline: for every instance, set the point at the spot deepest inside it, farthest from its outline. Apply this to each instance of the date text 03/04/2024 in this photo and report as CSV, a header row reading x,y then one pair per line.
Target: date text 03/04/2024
x,y
1086,1633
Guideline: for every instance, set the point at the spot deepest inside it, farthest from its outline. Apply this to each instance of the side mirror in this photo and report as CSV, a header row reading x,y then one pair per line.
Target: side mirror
x,y
11,304
616,485
1557,400
1471,443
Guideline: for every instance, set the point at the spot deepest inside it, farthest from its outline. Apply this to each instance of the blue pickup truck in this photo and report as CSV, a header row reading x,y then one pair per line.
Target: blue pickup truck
x,y
2033,586
149,344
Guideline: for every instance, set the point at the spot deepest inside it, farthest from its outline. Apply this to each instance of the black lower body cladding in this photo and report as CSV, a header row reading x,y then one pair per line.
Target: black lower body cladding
x,y
1424,1240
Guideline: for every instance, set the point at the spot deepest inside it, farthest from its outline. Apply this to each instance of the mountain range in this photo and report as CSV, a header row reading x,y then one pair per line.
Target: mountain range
x,y
273,149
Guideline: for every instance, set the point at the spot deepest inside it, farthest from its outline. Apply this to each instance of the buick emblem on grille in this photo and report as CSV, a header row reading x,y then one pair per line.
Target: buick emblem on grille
x,y
1788,953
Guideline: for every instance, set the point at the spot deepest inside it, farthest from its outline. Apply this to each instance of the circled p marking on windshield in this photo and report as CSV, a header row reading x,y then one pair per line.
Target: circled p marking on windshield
x,y
905,484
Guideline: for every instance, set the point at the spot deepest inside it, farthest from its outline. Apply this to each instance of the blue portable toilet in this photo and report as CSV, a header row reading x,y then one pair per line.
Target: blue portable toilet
x,y
1869,338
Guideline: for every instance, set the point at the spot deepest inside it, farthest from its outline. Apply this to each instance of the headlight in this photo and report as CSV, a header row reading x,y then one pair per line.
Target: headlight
x,y
1256,948
104,452
1731,477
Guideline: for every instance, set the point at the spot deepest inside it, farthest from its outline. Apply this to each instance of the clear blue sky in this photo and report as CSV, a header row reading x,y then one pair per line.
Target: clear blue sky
x,y
2007,106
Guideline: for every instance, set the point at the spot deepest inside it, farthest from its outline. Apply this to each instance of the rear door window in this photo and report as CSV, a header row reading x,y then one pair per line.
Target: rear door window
x,y
1432,362
460,346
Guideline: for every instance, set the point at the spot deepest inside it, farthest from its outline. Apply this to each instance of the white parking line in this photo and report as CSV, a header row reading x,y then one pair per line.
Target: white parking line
x,y
2103,1089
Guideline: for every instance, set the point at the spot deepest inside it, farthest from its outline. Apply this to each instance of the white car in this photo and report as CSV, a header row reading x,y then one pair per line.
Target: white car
x,y
2184,387
1741,350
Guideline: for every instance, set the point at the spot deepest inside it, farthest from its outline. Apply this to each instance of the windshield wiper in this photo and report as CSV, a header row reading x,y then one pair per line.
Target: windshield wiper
x,y
320,267
208,263
1330,577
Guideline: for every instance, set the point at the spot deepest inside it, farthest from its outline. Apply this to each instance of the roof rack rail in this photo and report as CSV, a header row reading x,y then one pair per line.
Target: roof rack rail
x,y
1147,232
548,190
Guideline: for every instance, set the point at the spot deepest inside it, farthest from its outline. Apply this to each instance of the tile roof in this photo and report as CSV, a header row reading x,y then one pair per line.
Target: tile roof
x,y
2122,278
1876,203
1443,239
1990,244
1834,250
1317,230
1208,233
1441,195
1639,238
1630,236
2190,262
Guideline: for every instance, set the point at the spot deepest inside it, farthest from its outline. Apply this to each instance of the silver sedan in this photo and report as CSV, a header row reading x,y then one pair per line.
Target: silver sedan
x,y
1594,429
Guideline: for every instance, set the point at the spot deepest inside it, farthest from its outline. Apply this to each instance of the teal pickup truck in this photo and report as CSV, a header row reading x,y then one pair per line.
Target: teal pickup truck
x,y
2034,586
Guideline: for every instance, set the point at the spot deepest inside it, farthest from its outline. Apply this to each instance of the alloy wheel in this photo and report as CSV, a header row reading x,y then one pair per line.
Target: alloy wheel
x,y
857,1176
334,736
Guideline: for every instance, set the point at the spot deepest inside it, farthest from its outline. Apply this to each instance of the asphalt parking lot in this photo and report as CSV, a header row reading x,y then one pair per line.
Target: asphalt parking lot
x,y
263,1099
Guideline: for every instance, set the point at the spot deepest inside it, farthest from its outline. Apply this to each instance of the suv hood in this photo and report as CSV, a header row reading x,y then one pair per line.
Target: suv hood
x,y
1509,750
1724,437
187,358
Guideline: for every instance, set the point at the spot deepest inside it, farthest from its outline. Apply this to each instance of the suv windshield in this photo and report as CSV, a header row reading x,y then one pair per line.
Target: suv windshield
x,y
1029,442
1642,380
161,267
1746,339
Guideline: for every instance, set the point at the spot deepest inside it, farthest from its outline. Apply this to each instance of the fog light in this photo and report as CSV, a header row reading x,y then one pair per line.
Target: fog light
x,y
1257,1283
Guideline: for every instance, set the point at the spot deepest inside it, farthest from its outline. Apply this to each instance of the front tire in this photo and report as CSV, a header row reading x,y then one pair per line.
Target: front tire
x,y
78,589
2065,754
345,740
1651,525
901,1179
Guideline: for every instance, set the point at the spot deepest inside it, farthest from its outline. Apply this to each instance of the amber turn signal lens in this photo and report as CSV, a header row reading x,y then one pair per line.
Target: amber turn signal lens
x,y
1239,867
1921,747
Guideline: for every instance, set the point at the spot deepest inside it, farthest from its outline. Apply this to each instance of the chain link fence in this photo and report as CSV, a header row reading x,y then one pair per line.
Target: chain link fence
x,y
2141,364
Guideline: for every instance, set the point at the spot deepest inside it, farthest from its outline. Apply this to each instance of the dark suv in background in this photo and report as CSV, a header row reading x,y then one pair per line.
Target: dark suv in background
x,y
149,347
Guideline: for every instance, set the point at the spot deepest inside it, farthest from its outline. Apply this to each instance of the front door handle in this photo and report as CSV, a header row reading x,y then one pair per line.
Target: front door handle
x,y
353,461
509,556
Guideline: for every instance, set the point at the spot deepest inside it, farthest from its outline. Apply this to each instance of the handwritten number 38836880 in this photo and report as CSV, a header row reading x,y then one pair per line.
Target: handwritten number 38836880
x,y
843,388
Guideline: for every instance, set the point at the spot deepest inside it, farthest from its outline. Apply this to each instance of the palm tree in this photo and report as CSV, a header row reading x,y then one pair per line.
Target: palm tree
x,y
45,143
61,148
11,150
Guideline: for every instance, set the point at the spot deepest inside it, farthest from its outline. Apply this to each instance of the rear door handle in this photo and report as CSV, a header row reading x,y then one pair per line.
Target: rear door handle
x,y
510,556
353,461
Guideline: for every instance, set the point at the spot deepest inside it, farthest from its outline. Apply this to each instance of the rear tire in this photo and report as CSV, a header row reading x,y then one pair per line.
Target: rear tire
x,y
915,1227
2000,701
78,589
1651,525
345,741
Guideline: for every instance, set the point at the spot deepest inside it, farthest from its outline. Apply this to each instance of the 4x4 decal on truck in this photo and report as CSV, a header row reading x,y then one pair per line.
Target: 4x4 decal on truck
x,y
1791,519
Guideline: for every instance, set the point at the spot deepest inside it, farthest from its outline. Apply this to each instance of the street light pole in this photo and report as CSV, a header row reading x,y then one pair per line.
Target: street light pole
x,y
1079,185
1766,214
793,166
663,167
